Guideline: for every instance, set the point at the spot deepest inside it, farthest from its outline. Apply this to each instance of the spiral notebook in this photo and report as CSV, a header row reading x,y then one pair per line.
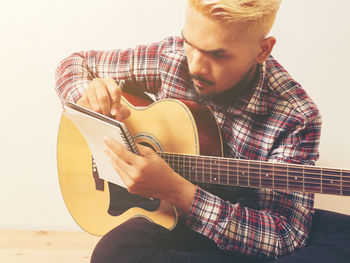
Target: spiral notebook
x,y
94,127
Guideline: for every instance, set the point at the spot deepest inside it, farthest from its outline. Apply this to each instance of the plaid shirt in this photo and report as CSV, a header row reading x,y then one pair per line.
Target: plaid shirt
x,y
276,121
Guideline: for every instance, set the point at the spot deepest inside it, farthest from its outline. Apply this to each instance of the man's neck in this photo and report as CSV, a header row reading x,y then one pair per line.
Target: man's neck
x,y
230,96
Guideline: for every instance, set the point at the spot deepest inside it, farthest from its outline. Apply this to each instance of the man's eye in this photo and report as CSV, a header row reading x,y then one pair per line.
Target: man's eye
x,y
218,55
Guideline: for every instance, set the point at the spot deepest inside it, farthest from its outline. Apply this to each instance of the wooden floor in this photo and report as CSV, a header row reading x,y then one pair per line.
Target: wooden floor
x,y
46,246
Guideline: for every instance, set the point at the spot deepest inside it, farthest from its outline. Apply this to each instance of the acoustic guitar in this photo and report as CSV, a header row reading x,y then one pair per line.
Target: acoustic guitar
x,y
187,136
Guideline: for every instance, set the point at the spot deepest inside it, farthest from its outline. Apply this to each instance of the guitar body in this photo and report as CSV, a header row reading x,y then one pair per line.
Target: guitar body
x,y
166,126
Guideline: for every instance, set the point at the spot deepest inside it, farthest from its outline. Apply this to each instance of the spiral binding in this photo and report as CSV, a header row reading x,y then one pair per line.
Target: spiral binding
x,y
129,141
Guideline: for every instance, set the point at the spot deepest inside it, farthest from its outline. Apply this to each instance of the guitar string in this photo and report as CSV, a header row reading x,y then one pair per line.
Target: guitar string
x,y
277,176
283,170
286,169
277,172
250,162
285,173
325,188
317,188
293,183
324,179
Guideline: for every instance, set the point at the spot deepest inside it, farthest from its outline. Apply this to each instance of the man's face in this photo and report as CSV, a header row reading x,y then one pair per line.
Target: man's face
x,y
218,58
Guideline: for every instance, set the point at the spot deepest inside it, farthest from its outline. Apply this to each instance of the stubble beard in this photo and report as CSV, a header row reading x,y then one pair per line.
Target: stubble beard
x,y
229,96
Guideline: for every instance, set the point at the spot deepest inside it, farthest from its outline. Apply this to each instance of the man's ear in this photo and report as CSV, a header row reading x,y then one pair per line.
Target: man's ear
x,y
266,46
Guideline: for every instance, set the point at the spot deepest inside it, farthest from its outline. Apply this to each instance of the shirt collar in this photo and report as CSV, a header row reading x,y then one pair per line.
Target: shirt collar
x,y
255,101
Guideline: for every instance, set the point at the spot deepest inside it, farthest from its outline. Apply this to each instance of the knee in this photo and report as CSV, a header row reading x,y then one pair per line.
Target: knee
x,y
121,243
107,249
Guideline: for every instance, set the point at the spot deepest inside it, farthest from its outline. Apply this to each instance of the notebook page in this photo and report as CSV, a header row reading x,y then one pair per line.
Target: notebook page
x,y
94,130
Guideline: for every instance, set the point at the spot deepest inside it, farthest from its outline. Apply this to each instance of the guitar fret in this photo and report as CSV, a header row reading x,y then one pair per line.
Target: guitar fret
x,y
197,177
303,179
346,183
210,171
215,171
197,171
287,177
233,178
265,176
260,175
273,176
189,167
242,175
223,168
204,174
237,163
201,170
248,173
178,163
175,163
219,175
243,169
341,182
312,179
331,181
180,167
295,184
186,168
228,174
321,181
280,173
254,175
194,169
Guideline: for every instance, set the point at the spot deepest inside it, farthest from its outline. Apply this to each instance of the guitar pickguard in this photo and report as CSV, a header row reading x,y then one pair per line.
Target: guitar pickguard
x,y
121,200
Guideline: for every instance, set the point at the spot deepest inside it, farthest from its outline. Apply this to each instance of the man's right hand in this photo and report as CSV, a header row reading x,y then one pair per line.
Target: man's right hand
x,y
104,96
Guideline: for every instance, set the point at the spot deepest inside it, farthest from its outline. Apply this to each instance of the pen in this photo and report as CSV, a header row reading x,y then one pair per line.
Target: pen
x,y
121,84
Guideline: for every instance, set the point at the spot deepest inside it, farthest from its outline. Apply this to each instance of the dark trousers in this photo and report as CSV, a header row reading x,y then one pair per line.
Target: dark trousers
x,y
139,240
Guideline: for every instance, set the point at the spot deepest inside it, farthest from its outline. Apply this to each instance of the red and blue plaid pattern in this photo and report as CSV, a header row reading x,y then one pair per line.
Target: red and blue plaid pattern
x,y
275,121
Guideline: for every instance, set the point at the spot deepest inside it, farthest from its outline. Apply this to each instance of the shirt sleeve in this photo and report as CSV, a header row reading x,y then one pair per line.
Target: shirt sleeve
x,y
139,66
283,220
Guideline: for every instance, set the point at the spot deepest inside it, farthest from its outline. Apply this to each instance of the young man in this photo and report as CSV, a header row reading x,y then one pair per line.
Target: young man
x,y
222,60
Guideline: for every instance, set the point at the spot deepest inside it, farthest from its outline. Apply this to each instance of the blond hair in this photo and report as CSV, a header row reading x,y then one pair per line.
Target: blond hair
x,y
257,16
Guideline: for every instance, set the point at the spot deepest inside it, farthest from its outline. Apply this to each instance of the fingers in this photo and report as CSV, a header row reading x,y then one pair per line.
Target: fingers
x,y
120,166
103,96
121,159
119,150
92,95
123,112
146,174
99,97
84,102
115,94
145,151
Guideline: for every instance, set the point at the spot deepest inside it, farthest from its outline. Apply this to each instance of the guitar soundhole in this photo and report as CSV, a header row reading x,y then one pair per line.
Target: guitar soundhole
x,y
121,200
148,145
150,141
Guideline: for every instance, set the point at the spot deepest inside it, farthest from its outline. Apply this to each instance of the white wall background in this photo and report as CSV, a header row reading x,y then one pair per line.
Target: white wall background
x,y
313,40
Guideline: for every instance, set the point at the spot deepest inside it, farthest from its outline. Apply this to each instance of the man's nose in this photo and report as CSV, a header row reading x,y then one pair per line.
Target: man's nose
x,y
198,64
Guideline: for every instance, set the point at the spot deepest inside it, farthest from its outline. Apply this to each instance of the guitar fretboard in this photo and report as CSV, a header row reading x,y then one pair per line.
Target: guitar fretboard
x,y
256,174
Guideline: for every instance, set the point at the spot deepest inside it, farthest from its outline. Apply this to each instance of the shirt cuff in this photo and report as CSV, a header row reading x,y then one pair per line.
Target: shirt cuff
x,y
205,214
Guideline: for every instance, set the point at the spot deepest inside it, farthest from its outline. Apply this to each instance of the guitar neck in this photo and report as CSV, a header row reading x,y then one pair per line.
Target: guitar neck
x,y
257,174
